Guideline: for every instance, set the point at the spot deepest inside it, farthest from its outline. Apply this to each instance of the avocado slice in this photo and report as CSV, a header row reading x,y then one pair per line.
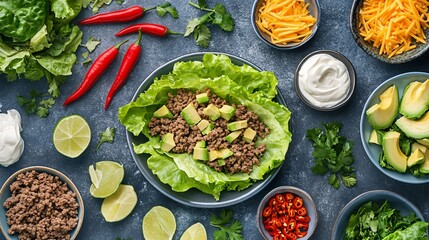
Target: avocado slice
x,y
225,153
416,129
234,126
221,162
416,145
202,98
394,156
424,167
190,114
200,144
249,134
203,124
232,136
167,142
382,115
415,100
424,142
208,129
227,112
375,137
163,112
201,154
213,155
212,112
417,157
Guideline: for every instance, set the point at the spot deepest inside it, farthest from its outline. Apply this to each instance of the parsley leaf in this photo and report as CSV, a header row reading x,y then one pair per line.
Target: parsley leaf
x,y
332,153
107,136
91,44
218,16
31,104
165,8
226,232
44,106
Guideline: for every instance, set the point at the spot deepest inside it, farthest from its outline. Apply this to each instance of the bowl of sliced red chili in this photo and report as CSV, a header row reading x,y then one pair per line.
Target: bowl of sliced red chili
x,y
287,213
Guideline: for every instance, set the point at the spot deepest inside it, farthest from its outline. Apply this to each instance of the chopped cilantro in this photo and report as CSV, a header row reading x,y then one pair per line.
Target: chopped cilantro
x,y
332,153
86,62
165,8
218,16
85,55
107,136
36,104
231,231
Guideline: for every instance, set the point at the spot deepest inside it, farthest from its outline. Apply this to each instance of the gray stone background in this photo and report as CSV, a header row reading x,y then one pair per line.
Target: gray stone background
x,y
333,34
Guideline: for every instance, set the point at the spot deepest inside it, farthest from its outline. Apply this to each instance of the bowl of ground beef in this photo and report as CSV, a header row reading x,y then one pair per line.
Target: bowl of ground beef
x,y
40,203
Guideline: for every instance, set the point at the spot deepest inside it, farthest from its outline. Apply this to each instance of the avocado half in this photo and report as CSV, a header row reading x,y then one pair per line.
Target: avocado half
x,y
394,156
416,129
415,100
382,115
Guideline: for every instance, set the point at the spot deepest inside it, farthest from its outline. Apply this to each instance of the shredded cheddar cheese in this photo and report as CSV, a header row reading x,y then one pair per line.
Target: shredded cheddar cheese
x,y
394,26
285,21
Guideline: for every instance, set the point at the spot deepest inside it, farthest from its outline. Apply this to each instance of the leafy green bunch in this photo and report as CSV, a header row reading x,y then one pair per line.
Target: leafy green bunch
x,y
37,40
226,232
198,26
332,153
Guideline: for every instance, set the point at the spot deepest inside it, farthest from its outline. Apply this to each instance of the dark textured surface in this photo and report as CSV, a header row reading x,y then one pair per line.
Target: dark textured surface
x,y
333,34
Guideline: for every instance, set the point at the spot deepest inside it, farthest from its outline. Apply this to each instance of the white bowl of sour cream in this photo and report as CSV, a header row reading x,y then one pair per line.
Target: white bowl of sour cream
x,y
325,80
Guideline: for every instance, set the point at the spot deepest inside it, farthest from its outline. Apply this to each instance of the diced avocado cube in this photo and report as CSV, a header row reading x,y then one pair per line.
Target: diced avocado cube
x,y
417,157
225,153
190,114
249,134
203,124
202,98
163,112
213,155
208,129
221,162
201,154
167,142
234,126
232,136
200,144
227,112
212,111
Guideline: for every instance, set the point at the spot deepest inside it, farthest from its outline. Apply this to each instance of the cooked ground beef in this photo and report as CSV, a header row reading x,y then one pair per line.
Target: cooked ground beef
x,y
41,207
245,154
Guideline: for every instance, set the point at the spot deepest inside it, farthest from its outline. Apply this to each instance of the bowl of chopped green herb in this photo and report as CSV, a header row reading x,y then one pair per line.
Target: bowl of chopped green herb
x,y
379,214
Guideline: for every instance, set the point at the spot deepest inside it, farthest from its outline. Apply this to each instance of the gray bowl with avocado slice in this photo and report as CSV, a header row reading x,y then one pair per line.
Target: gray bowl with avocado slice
x,y
394,160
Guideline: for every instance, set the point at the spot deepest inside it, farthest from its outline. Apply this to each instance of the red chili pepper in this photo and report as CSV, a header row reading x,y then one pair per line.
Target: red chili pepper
x,y
127,65
297,202
302,226
149,28
305,219
123,15
291,213
302,211
284,220
272,202
291,225
267,212
270,229
279,237
289,197
300,234
94,73
291,236
280,198
276,222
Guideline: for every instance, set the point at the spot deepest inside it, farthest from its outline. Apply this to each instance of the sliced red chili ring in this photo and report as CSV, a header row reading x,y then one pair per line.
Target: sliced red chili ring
x,y
299,218
291,236
267,211
276,222
291,225
289,197
284,220
291,213
300,234
280,198
302,211
272,202
297,202
302,226
279,237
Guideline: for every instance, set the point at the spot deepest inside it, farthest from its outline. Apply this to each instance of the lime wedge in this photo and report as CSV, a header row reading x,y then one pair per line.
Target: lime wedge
x,y
195,232
71,136
159,224
120,204
106,178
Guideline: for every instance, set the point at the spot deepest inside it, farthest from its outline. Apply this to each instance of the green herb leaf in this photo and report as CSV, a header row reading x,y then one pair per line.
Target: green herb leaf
x,y
165,8
120,2
224,218
86,62
107,136
202,3
334,181
85,55
349,181
202,36
91,44
192,24
44,106
222,18
226,232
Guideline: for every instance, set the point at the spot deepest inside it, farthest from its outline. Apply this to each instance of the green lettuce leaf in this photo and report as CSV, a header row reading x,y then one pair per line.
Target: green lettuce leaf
x,y
66,10
40,41
417,231
67,39
60,65
135,116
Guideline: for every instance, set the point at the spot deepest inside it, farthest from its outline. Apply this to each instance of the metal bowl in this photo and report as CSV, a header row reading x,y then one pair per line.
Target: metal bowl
x,y
350,69
6,193
314,9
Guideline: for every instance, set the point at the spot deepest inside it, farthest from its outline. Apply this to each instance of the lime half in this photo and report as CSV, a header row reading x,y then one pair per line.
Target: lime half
x,y
195,232
71,136
159,224
105,178
119,205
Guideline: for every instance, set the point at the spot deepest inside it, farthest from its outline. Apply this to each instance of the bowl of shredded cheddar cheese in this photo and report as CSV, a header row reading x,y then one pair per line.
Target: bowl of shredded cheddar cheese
x,y
285,24
393,31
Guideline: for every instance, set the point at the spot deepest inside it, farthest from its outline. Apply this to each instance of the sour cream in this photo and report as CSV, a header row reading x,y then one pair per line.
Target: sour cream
x,y
324,80
11,142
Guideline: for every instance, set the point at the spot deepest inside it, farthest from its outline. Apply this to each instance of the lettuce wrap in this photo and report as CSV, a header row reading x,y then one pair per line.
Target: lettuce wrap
x,y
236,84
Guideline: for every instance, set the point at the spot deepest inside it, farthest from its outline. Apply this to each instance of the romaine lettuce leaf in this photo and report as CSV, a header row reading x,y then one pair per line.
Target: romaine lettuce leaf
x,y
417,231
135,116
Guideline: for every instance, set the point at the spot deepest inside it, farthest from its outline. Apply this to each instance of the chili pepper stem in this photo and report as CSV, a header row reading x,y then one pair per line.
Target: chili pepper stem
x,y
137,42
175,33
166,4
117,46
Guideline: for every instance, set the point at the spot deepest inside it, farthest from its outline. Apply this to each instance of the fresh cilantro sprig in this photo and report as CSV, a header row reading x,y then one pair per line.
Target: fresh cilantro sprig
x,y
107,136
226,232
217,16
332,154
35,103
165,8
